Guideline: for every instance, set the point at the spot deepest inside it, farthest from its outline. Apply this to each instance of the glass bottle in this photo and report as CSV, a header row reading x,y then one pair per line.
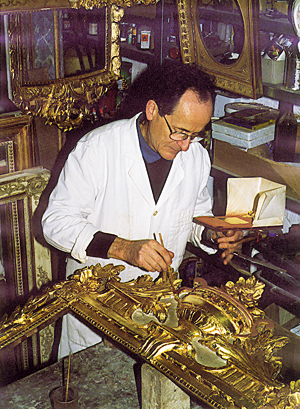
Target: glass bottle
x,y
93,25
285,137
134,31
129,35
123,32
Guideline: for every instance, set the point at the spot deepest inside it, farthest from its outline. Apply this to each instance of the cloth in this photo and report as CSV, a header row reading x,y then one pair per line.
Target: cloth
x,y
104,187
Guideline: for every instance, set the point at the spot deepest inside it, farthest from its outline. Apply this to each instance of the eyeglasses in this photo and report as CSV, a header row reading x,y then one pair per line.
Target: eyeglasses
x,y
182,136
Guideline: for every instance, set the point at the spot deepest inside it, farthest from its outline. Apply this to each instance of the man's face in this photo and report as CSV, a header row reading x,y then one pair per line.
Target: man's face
x,y
190,116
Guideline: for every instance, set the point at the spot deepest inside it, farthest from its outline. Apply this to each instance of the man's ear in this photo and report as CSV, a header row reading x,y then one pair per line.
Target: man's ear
x,y
151,109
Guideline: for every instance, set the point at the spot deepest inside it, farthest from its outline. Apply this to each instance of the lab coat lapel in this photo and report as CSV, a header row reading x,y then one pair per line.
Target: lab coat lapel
x,y
138,174
135,165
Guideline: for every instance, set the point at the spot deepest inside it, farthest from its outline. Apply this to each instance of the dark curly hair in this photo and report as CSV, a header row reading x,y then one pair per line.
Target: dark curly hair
x,y
165,84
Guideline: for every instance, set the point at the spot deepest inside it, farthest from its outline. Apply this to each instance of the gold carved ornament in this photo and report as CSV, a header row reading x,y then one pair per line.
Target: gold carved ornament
x,y
10,6
90,4
214,343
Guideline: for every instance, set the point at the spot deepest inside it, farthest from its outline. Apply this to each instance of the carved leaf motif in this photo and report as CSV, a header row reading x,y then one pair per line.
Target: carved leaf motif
x,y
26,314
255,354
247,291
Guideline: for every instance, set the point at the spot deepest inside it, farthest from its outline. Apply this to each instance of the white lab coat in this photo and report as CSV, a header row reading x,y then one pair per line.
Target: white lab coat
x,y
104,186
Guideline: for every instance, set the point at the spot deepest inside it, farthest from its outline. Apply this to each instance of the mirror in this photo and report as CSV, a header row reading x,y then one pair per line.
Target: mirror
x,y
222,29
222,37
59,75
62,44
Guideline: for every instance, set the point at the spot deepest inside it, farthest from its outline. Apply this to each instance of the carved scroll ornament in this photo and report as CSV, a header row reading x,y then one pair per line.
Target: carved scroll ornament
x,y
214,343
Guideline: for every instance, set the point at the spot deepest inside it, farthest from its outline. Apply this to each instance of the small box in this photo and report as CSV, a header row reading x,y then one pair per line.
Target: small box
x,y
242,137
145,39
272,71
242,143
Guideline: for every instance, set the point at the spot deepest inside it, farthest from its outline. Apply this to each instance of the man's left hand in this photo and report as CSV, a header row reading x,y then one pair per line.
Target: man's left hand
x,y
230,242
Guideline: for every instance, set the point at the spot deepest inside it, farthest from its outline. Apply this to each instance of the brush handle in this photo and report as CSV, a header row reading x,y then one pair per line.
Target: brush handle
x,y
63,372
68,377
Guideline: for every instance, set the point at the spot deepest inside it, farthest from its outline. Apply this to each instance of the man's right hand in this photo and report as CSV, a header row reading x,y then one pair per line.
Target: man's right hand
x,y
146,254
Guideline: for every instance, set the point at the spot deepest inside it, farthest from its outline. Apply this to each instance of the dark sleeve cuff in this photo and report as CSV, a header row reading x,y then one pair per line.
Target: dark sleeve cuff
x,y
100,245
207,239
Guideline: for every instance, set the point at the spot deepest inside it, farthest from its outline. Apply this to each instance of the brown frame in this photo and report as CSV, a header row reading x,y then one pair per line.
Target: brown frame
x,y
17,134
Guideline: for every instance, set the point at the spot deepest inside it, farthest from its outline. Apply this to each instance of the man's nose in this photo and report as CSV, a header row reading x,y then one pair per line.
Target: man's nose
x,y
185,144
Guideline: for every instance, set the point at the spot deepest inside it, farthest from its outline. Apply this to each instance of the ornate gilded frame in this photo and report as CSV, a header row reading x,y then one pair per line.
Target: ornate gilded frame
x,y
27,264
244,76
214,343
65,102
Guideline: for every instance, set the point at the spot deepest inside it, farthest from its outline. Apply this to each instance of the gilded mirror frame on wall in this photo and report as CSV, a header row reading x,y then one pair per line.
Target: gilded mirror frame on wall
x,y
64,102
67,101
243,77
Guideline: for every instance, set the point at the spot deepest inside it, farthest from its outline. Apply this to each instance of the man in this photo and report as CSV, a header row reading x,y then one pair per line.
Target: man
x,y
135,178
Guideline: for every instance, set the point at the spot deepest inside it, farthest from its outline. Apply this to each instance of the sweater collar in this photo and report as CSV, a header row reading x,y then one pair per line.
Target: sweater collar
x,y
148,153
